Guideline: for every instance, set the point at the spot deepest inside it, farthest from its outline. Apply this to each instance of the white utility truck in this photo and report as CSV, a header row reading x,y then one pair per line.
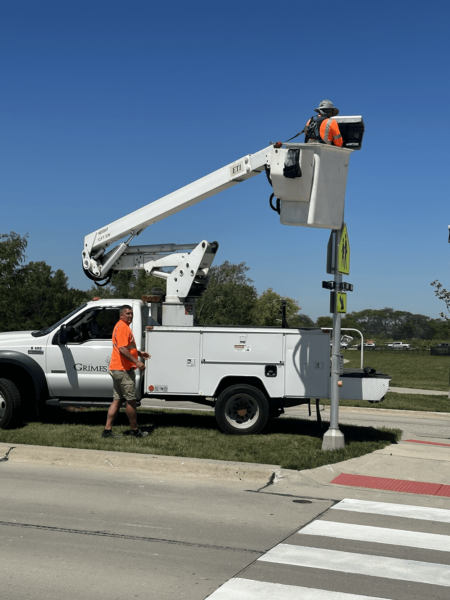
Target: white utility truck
x,y
247,373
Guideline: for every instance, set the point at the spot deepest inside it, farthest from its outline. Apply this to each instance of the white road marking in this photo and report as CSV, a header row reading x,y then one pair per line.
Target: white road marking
x,y
360,564
247,589
379,535
148,526
424,513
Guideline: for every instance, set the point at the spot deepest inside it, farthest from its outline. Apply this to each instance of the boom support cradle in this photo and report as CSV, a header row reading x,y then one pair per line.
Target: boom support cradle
x,y
190,275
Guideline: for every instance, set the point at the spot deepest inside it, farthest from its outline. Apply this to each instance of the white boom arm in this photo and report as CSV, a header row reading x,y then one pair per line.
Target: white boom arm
x,y
97,264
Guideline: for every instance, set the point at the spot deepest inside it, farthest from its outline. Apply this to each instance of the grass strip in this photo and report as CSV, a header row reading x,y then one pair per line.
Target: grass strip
x,y
395,401
291,443
406,370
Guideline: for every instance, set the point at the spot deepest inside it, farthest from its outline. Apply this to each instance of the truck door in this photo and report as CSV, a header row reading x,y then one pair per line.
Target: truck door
x,y
80,368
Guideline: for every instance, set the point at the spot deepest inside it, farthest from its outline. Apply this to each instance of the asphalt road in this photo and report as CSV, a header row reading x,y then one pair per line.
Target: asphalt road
x,y
71,534
76,533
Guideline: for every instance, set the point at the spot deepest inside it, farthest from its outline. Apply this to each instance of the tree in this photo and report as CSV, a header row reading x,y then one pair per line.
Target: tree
x,y
42,298
229,298
128,284
444,295
266,311
31,295
325,322
389,323
12,255
301,320
441,329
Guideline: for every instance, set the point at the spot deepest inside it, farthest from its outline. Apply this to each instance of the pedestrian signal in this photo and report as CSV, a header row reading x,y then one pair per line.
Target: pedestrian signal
x,y
344,252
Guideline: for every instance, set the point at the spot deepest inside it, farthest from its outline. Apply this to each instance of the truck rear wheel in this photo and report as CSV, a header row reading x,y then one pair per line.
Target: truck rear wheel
x,y
10,404
242,410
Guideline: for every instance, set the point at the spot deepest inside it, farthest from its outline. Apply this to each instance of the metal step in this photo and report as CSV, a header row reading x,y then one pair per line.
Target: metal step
x,y
81,402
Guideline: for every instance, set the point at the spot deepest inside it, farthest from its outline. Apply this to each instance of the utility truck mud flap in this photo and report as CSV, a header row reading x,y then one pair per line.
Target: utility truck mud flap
x,y
360,385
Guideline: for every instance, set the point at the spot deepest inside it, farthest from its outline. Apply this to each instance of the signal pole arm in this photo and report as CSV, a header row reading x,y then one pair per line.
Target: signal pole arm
x,y
97,264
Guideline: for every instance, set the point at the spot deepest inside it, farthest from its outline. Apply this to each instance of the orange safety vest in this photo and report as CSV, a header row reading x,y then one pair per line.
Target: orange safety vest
x,y
328,132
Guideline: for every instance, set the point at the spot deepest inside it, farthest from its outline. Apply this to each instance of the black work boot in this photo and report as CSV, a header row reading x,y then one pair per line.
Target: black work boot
x,y
137,433
107,433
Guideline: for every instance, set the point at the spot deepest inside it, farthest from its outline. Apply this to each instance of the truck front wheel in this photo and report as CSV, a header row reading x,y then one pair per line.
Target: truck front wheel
x,y
10,404
242,410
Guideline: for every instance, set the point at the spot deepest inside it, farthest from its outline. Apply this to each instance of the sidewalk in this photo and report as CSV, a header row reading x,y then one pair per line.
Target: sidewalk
x,y
416,468
400,390
412,461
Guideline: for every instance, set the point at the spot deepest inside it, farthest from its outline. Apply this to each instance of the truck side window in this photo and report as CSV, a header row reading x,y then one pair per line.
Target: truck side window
x,y
106,321
94,324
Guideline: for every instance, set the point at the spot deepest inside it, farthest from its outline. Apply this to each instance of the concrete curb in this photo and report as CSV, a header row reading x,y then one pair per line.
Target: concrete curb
x,y
145,463
391,411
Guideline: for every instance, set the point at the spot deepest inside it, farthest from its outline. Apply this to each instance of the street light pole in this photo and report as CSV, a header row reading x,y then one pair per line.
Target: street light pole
x,y
334,438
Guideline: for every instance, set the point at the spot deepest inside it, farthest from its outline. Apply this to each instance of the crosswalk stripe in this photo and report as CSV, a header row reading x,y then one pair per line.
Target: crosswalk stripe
x,y
423,513
247,589
379,535
361,564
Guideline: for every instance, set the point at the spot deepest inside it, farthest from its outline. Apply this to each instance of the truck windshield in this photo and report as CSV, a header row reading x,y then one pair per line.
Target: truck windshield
x,y
47,330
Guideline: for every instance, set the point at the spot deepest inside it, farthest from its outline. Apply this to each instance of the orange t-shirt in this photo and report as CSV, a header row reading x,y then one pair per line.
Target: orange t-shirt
x,y
122,336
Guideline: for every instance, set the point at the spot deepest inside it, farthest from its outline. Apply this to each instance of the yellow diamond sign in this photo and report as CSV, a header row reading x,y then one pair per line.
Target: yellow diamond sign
x,y
344,252
341,302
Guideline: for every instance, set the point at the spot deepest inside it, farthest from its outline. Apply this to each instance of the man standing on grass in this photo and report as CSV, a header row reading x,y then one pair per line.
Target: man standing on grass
x,y
124,362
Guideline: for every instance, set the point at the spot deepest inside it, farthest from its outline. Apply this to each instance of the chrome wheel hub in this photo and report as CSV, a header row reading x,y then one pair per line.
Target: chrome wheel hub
x,y
241,411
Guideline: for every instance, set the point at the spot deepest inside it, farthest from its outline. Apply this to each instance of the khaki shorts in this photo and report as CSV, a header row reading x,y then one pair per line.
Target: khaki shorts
x,y
124,385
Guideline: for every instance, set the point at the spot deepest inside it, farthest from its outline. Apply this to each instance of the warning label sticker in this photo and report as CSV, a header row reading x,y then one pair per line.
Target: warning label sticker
x,y
242,348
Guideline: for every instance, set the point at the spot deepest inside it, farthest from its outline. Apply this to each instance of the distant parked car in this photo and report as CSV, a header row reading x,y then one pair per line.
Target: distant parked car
x,y
367,345
399,346
442,349
343,345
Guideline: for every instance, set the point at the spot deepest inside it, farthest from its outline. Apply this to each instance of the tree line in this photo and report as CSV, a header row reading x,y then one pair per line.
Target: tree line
x,y
32,296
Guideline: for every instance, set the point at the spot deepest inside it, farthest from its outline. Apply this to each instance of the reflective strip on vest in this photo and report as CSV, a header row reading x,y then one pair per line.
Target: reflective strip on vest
x,y
327,131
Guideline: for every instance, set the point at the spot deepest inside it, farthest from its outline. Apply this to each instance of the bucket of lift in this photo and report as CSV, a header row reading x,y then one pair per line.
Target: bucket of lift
x,y
310,179
316,197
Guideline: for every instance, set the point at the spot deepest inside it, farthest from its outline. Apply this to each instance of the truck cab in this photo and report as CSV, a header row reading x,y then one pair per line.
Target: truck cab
x,y
69,359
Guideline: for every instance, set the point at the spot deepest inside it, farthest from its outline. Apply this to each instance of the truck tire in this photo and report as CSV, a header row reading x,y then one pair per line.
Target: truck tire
x,y
10,404
242,410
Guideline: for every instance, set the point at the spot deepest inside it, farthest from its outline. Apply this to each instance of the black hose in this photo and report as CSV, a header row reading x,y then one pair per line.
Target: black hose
x,y
278,206
268,175
96,280
107,281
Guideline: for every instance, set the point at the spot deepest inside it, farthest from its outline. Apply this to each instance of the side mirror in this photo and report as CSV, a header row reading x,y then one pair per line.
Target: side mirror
x,y
62,335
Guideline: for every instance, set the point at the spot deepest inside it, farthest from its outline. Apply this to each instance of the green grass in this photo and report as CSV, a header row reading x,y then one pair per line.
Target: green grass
x,y
406,370
291,443
403,402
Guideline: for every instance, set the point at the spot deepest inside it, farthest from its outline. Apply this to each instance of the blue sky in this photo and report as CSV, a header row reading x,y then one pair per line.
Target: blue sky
x,y
108,105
